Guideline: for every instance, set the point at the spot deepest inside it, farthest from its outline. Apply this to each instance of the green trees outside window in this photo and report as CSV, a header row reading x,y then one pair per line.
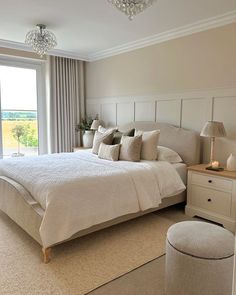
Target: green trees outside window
x,y
25,135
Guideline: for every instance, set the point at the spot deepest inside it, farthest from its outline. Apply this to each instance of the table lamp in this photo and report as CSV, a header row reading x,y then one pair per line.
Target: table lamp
x,y
213,129
96,123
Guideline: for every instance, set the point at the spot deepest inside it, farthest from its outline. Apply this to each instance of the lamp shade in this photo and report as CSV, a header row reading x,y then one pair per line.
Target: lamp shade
x,y
96,123
213,129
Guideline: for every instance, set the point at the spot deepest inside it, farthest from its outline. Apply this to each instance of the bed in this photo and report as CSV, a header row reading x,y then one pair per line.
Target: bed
x,y
41,194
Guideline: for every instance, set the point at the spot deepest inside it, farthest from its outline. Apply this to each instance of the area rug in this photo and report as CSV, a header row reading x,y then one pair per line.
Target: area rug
x,y
81,265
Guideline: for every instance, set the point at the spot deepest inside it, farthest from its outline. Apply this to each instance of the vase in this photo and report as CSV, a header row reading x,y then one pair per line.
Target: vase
x,y
88,138
231,163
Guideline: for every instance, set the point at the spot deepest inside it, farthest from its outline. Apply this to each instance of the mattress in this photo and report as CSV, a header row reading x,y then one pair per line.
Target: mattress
x,y
181,168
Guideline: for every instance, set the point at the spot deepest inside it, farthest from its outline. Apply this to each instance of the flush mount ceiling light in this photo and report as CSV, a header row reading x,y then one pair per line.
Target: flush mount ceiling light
x,y
41,40
131,7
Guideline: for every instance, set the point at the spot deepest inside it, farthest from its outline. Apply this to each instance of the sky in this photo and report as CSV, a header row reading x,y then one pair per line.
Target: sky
x,y
18,89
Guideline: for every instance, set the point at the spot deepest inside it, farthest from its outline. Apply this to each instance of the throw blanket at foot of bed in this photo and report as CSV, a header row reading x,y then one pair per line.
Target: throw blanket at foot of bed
x,y
79,190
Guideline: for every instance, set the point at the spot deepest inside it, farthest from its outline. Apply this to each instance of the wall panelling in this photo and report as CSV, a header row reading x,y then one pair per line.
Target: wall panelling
x,y
187,110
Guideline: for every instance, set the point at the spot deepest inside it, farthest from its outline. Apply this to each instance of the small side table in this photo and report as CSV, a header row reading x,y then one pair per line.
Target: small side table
x,y
212,195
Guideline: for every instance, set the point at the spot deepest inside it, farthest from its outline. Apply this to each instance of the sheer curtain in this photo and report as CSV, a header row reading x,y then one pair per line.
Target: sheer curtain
x,y
66,102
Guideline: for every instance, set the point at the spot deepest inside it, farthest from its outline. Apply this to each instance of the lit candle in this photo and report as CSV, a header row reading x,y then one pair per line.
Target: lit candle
x,y
215,164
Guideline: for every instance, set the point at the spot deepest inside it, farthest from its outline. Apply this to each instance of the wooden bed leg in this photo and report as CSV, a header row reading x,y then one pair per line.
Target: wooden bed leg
x,y
46,254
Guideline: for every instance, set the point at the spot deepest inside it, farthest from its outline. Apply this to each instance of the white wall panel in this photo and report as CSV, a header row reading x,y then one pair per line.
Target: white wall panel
x,y
145,111
93,110
168,111
125,113
225,111
195,112
108,114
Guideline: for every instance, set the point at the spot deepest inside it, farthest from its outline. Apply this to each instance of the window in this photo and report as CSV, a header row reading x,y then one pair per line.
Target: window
x,y
23,109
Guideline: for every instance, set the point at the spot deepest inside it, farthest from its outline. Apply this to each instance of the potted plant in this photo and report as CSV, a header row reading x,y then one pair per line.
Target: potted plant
x,y
84,126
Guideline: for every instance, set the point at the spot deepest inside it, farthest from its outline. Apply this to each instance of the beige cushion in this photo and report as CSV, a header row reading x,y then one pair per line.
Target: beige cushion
x,y
101,137
149,144
167,154
109,152
102,129
131,148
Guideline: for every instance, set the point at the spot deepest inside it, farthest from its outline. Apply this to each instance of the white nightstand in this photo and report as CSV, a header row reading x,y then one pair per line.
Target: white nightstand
x,y
79,148
212,195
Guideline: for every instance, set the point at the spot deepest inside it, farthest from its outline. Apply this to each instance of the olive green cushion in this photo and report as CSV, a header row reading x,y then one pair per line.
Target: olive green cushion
x,y
118,134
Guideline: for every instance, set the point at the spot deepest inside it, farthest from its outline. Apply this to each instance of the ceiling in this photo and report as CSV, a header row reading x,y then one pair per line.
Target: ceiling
x,y
93,29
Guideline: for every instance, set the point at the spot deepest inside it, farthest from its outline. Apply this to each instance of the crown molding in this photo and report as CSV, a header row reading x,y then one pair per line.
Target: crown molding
x,y
56,52
196,27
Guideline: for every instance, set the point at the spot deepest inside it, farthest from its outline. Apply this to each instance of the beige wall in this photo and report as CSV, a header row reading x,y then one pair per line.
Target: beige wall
x,y
18,53
200,61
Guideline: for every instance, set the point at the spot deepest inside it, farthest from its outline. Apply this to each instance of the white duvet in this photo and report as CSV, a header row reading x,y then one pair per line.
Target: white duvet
x,y
79,190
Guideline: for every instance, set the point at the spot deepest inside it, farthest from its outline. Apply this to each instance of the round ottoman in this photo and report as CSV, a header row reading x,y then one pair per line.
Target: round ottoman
x,y
199,259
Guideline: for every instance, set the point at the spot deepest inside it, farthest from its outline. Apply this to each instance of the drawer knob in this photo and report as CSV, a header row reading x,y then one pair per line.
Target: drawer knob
x,y
209,200
210,181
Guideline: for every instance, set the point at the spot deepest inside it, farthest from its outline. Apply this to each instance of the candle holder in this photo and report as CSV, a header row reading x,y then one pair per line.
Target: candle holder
x,y
215,168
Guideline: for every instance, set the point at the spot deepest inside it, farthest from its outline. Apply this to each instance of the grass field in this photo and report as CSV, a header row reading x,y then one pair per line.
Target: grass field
x,y
7,126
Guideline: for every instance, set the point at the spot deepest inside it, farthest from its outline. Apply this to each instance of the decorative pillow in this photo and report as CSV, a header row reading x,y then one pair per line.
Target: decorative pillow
x,y
149,144
167,154
101,137
117,135
130,149
109,152
101,129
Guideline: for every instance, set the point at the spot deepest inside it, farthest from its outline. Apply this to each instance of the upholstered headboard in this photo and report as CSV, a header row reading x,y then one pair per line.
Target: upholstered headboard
x,y
185,142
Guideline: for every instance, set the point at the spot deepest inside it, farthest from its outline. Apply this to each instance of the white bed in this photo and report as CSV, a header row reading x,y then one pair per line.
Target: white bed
x,y
62,196
181,169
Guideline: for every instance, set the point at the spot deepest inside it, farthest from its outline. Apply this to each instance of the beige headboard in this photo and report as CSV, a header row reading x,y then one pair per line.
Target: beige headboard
x,y
185,142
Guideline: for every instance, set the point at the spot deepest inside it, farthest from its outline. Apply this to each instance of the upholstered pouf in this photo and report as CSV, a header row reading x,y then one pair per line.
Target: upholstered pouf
x,y
199,259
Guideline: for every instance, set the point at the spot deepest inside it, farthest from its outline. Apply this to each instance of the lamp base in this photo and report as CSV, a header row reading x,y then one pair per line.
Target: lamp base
x,y
218,169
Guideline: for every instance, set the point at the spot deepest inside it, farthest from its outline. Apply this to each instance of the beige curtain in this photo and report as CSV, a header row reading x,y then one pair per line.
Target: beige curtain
x,y
67,104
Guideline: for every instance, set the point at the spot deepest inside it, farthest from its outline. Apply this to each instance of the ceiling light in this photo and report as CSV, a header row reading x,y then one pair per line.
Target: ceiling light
x,y
41,40
131,7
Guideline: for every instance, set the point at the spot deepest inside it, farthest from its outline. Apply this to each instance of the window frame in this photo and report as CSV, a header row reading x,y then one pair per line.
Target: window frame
x,y
39,66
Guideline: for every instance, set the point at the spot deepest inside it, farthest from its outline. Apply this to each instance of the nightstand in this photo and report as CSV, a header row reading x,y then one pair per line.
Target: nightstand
x,y
212,195
79,148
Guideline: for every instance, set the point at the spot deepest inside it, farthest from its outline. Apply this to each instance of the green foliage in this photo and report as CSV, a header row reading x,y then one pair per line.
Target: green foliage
x,y
18,132
85,124
25,135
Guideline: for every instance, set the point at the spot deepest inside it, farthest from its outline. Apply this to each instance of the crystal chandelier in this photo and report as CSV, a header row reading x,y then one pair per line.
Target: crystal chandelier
x,y
131,7
41,40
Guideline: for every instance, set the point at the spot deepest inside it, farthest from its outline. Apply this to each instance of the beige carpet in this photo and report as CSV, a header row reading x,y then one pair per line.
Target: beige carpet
x,y
81,265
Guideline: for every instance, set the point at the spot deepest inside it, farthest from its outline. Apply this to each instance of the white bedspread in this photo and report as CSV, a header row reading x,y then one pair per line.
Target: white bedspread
x,y
79,190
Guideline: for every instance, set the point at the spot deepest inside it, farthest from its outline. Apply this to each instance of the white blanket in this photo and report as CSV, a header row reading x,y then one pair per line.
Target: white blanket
x,y
79,190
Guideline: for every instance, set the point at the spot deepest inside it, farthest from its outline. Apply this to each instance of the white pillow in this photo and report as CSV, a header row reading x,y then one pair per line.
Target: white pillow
x,y
167,154
149,144
102,129
109,152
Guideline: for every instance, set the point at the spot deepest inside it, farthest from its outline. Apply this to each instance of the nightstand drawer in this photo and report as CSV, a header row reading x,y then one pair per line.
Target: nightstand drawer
x,y
211,181
211,200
